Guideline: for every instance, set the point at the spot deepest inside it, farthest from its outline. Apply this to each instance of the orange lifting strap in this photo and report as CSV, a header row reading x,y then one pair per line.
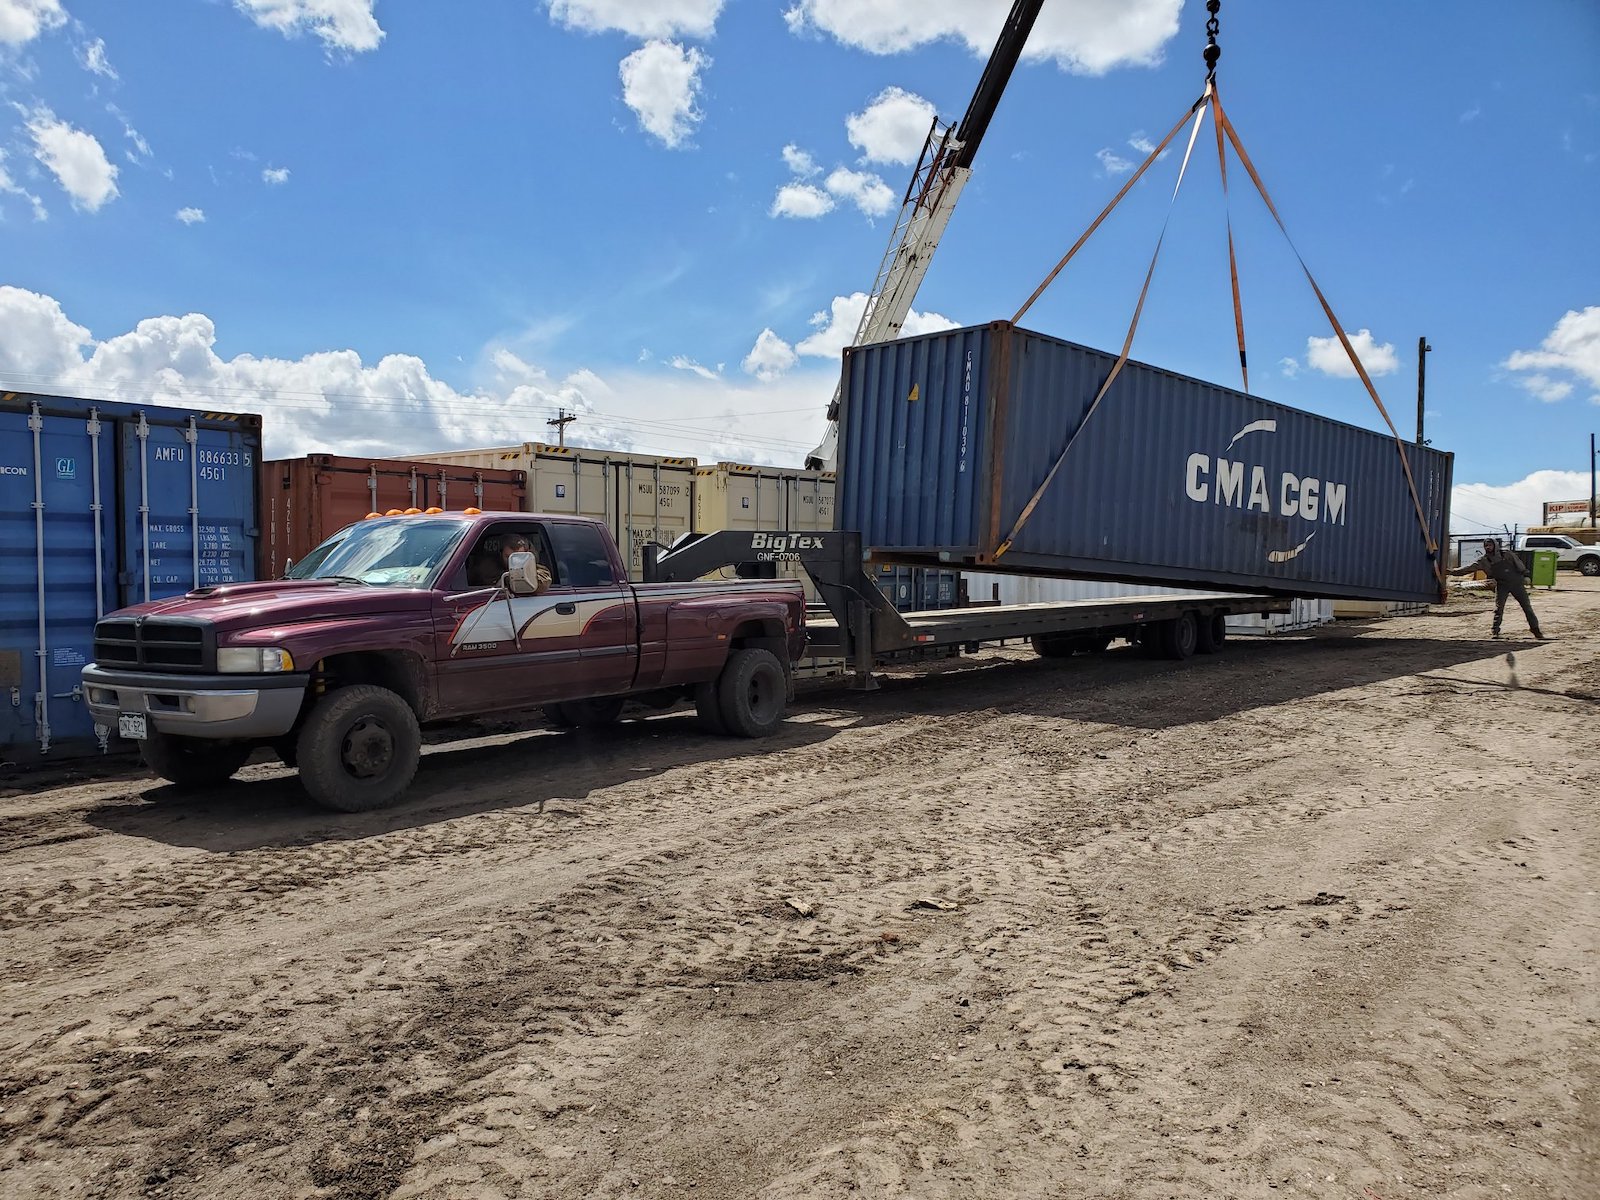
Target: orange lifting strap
x,y
1224,129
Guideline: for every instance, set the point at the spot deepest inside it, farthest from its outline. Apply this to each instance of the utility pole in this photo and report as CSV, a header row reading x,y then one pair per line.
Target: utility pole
x,y
1591,481
1422,382
561,421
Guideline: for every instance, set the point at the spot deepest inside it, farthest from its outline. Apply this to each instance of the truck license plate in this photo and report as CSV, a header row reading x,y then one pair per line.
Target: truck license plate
x,y
133,726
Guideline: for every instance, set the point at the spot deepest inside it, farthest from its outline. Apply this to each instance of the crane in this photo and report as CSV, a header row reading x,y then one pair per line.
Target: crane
x,y
942,171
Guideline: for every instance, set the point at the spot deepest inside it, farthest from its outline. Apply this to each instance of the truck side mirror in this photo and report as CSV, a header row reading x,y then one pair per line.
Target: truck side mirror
x,y
522,579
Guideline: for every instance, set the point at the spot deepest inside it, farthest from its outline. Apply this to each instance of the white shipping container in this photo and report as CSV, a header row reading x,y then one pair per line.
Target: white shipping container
x,y
1027,589
641,498
1302,615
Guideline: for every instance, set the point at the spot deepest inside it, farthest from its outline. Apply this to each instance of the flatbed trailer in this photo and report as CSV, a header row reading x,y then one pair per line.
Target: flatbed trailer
x,y
865,631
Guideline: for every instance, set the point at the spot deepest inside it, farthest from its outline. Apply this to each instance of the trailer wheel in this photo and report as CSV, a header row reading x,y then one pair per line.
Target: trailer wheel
x,y
753,689
586,714
359,749
190,763
1051,645
708,708
1178,636
1210,632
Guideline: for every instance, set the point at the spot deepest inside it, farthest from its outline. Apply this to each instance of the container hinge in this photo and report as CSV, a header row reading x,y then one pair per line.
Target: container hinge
x,y
16,697
74,695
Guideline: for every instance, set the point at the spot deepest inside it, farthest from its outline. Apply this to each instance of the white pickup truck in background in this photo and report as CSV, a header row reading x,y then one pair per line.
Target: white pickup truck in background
x,y
1573,554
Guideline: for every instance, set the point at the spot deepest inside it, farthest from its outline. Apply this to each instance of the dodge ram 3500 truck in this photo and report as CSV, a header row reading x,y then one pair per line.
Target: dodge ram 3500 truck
x,y
389,625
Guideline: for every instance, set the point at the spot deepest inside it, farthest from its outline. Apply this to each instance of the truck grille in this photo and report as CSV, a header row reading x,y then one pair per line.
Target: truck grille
x,y
152,645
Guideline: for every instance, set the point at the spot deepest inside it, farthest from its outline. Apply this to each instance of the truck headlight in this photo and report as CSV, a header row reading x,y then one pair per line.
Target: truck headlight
x,y
251,660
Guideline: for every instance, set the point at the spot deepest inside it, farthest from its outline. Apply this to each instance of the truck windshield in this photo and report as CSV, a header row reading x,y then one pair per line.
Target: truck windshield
x,y
404,552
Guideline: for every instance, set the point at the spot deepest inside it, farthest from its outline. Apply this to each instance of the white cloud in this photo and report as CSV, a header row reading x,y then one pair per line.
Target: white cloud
x,y
1112,163
1476,505
346,25
1086,37
680,363
190,216
23,20
836,327
660,83
141,148
1542,387
798,161
75,158
770,358
1328,356
892,129
1472,114
275,175
1573,346
801,201
333,400
94,58
1290,367
642,19
867,192
11,187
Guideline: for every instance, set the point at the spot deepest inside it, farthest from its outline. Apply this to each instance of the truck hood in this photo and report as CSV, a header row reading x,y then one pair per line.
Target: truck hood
x,y
239,606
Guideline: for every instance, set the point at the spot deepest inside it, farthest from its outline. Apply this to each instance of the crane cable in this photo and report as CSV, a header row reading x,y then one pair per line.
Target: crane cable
x,y
1224,129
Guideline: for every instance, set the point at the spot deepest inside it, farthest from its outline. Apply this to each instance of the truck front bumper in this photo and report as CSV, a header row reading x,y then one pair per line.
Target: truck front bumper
x,y
203,706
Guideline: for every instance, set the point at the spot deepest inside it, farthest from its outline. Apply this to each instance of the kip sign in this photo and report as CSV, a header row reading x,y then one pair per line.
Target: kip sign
x,y
1233,481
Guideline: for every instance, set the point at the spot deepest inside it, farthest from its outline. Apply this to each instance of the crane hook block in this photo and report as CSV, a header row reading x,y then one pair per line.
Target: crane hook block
x,y
1212,52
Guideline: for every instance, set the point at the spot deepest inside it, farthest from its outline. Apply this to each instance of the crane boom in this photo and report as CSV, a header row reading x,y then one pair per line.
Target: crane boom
x,y
942,171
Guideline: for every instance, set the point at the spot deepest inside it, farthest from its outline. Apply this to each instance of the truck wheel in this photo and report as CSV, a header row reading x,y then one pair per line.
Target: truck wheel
x,y
1210,633
192,762
587,714
1178,637
753,690
708,708
1052,645
359,748
1589,565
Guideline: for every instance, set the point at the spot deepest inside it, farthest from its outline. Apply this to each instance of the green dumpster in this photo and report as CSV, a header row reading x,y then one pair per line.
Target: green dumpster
x,y
1544,568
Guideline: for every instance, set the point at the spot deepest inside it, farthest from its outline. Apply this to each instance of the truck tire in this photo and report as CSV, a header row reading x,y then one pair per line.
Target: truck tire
x,y
1177,637
190,763
1210,633
1589,565
708,708
586,714
1052,645
753,690
359,748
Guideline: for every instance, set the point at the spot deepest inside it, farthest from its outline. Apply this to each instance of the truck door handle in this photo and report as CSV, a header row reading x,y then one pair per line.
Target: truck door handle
x,y
566,610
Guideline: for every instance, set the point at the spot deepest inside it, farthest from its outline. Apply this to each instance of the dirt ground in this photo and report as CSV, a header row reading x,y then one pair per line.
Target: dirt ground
x,y
1317,917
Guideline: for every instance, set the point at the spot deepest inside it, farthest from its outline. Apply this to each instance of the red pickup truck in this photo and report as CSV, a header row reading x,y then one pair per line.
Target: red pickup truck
x,y
391,624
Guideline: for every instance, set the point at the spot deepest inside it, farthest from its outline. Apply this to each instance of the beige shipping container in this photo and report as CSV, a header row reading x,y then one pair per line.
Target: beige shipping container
x,y
641,498
1347,610
741,496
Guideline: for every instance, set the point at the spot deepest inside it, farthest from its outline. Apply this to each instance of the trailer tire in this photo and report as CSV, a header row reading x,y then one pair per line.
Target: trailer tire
x,y
1210,632
708,709
753,690
1051,645
359,749
1178,636
191,763
587,714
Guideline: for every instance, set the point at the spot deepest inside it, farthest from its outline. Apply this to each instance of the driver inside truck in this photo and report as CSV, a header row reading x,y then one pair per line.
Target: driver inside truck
x,y
490,562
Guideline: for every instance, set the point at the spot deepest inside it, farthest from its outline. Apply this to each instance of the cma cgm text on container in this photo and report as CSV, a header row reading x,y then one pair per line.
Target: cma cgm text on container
x,y
105,504
946,439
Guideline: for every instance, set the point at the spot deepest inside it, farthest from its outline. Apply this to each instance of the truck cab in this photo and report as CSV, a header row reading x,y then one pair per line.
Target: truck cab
x,y
400,621
1571,554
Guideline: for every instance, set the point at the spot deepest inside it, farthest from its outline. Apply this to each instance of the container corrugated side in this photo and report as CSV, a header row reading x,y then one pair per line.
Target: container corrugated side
x,y
946,437
135,502
307,499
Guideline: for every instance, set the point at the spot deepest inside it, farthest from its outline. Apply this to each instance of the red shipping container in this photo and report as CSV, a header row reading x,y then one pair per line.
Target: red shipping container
x,y
306,499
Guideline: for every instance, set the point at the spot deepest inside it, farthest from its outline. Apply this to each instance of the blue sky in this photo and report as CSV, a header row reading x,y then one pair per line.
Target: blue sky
x,y
397,226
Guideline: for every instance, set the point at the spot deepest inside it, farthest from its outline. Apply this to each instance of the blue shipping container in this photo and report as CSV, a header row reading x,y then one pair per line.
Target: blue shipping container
x,y
105,504
944,440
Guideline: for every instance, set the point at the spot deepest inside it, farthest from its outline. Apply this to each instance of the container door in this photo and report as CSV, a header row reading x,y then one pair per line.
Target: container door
x,y
52,587
189,507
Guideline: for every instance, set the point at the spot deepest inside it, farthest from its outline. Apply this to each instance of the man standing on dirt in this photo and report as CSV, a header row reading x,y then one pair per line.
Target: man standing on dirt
x,y
1507,570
